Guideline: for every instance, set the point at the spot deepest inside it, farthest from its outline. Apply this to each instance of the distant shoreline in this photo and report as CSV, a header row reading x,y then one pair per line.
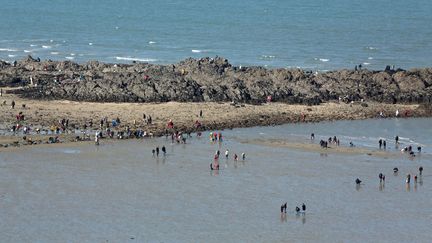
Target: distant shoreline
x,y
46,115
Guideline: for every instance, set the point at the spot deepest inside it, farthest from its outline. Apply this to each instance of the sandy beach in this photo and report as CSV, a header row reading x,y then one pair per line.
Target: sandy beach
x,y
215,116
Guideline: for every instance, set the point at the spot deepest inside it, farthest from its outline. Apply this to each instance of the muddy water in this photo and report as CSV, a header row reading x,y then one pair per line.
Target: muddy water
x,y
119,192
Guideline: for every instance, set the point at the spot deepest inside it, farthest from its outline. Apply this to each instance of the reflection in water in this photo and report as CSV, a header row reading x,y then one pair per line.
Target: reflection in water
x,y
283,217
214,172
408,187
381,186
358,187
304,218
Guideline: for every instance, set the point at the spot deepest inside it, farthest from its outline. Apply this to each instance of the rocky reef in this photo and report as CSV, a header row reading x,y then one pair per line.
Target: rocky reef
x,y
210,79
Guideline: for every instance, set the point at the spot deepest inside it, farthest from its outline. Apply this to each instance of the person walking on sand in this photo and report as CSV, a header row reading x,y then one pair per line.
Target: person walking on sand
x,y
420,170
157,151
13,104
164,150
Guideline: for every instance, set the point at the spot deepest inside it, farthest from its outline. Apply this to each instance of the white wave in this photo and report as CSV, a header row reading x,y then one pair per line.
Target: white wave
x,y
324,60
152,42
267,56
199,51
70,58
27,51
33,45
370,58
7,49
72,54
136,59
11,55
46,47
54,53
51,41
90,44
366,63
371,48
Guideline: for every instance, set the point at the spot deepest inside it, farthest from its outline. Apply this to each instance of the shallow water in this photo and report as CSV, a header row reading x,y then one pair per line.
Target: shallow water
x,y
318,35
118,191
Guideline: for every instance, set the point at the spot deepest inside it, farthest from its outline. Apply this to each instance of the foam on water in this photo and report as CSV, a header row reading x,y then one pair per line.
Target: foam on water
x,y
27,51
54,52
199,51
8,49
70,58
135,59
46,47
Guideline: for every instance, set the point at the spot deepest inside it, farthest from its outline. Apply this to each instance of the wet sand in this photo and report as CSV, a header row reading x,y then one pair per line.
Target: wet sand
x,y
332,148
216,116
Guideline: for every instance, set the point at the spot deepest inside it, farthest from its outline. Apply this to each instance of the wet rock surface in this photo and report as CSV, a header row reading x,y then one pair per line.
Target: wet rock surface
x,y
210,79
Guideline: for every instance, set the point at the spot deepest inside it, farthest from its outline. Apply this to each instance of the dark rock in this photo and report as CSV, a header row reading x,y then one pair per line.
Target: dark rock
x,y
211,79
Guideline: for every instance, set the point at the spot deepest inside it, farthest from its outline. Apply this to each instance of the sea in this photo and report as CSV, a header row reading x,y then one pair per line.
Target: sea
x,y
309,34
119,192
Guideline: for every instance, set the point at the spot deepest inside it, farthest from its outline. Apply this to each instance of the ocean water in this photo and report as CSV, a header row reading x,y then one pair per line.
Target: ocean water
x,y
311,34
118,192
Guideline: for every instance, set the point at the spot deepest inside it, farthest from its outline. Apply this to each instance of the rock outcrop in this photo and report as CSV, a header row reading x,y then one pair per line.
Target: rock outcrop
x,y
209,79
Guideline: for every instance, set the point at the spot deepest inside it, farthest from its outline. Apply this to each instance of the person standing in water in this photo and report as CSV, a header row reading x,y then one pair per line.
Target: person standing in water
x,y
157,151
164,150
283,208
97,139
243,156
304,207
226,154
420,170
